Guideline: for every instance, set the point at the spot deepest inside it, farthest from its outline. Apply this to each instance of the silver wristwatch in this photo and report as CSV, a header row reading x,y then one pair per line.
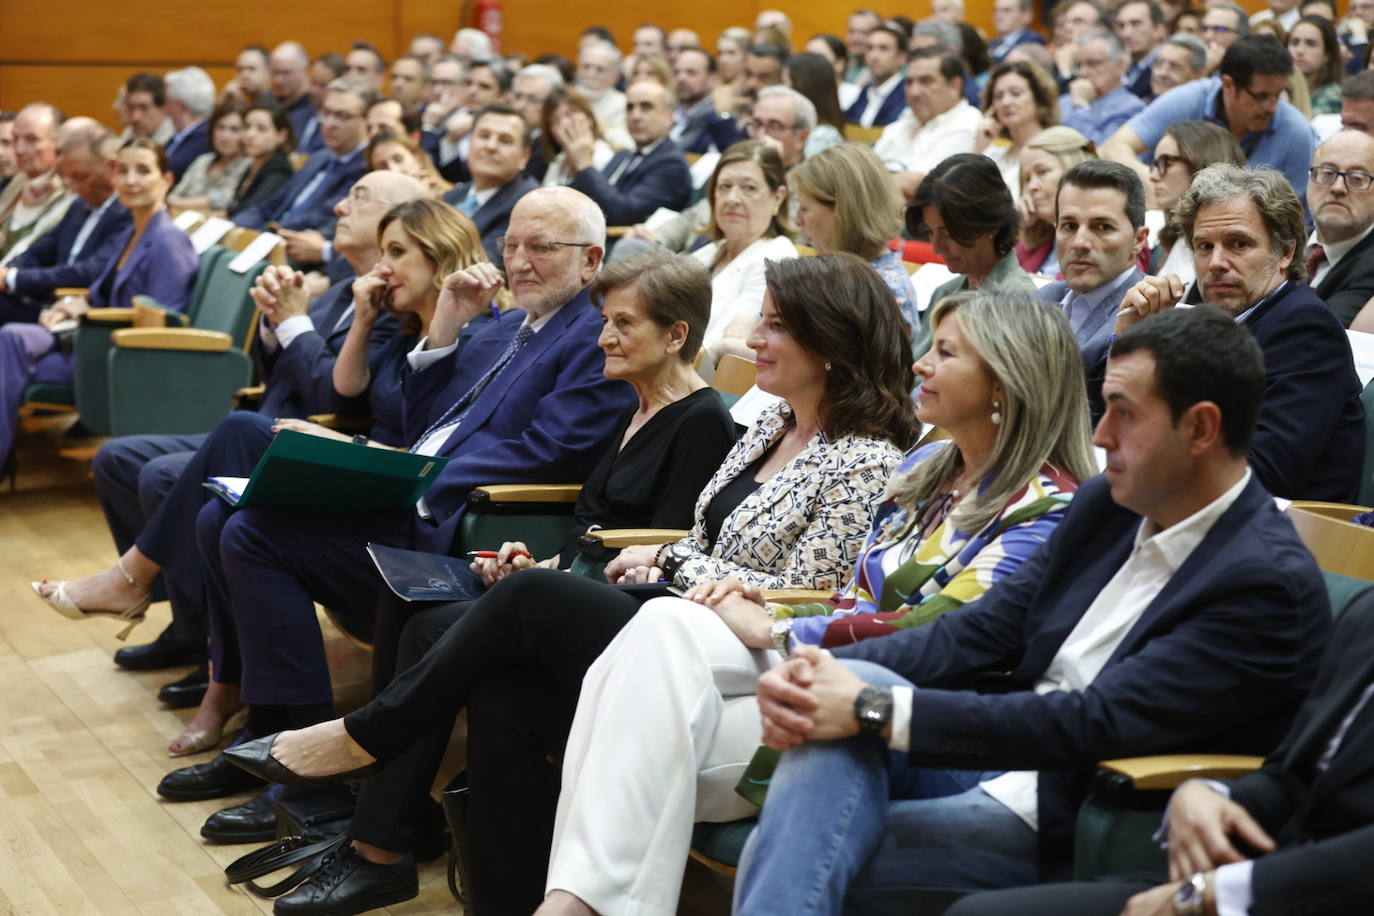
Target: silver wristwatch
x,y
1190,896
781,631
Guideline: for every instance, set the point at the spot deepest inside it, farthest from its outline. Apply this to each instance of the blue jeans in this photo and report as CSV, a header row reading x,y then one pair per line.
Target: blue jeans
x,y
853,815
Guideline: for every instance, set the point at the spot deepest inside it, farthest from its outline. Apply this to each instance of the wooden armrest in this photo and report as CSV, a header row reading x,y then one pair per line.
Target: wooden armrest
x,y
617,232
617,538
1169,771
531,492
342,424
252,391
125,315
796,595
62,291
172,339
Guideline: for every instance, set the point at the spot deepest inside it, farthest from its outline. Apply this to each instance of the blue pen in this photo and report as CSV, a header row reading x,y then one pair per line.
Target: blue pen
x,y
495,312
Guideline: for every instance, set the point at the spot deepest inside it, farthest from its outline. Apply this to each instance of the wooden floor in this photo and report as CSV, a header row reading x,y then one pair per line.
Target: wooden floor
x,y
83,742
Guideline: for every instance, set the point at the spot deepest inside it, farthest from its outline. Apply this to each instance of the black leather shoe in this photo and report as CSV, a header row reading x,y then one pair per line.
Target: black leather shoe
x,y
188,691
202,781
254,821
163,652
347,883
256,757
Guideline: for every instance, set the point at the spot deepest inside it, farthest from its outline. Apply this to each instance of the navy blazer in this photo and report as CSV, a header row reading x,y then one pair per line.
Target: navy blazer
x,y
318,211
548,416
301,112
1350,284
999,48
692,136
661,180
891,109
163,265
181,153
1093,333
43,267
493,217
1296,805
1218,662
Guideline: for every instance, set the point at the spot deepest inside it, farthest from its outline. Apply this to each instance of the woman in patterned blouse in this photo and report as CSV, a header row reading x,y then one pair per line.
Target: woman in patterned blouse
x,y
1004,379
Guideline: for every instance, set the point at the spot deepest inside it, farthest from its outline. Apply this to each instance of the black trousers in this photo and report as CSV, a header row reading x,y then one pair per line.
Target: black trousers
x,y
515,659
1080,898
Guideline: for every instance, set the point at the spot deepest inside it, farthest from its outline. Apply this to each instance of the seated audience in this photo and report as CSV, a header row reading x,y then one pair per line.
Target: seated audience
x,y
1317,56
1338,252
1246,98
365,63
150,487
251,79
731,48
788,507
409,73
1012,19
598,68
1097,102
694,78
1222,24
1100,233
1044,161
145,106
1020,101
1185,149
567,113
190,101
152,258
1140,26
965,211
1291,836
268,139
880,100
400,118
529,90
655,67
1245,229
958,517
635,182
811,76
830,48
857,27
500,150
748,228
291,72
785,119
937,122
1180,59
209,182
847,202
76,250
36,199
395,153
1177,555
1072,19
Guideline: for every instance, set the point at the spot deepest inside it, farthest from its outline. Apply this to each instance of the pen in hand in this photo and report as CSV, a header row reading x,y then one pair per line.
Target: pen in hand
x,y
492,554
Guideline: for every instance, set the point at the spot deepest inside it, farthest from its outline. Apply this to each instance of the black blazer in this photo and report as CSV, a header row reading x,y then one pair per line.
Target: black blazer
x,y
493,217
1218,662
1350,283
274,173
1335,809
661,180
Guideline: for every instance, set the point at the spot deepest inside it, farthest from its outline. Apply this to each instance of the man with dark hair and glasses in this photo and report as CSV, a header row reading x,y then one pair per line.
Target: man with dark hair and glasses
x,y
1246,98
1340,251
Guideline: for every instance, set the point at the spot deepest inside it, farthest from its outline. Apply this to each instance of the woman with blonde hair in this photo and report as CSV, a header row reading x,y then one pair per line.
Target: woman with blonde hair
x,y
1047,156
847,201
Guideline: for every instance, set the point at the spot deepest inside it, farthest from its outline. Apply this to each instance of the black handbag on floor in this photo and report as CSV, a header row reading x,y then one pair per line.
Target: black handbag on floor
x,y
459,856
311,825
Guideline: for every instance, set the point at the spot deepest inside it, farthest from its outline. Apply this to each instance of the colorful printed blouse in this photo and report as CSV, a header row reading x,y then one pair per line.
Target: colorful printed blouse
x,y
948,569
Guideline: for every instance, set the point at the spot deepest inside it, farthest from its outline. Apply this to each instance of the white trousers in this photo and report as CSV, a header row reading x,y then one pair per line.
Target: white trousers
x,y
665,726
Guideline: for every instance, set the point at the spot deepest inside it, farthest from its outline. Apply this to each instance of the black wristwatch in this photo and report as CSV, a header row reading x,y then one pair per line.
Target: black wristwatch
x,y
677,554
360,439
873,710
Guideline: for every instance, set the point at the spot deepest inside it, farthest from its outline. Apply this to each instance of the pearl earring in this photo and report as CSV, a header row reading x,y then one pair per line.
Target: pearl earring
x,y
827,366
996,413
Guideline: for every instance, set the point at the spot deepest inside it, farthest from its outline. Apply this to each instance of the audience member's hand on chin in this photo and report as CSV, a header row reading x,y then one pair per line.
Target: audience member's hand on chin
x,y
465,294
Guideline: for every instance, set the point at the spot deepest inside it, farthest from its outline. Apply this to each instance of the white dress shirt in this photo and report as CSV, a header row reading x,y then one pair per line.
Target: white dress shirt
x,y
907,145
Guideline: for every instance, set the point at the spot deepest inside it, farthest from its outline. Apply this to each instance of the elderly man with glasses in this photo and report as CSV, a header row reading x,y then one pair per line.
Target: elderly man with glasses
x,y
1098,102
1340,250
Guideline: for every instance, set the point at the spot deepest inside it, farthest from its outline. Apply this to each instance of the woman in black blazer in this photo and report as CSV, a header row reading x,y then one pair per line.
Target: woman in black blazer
x,y
268,139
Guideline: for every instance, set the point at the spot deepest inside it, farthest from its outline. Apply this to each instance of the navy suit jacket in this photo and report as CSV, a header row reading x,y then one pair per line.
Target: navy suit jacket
x,y
1218,662
163,265
692,138
318,212
300,112
999,48
1295,805
1093,333
889,111
493,217
180,154
548,416
661,180
1350,284
43,267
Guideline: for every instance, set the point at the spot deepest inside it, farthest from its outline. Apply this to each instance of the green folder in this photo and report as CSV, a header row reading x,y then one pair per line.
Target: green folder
x,y
300,471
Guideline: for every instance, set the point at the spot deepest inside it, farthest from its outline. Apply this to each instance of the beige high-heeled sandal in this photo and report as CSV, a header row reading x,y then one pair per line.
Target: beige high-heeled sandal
x,y
61,602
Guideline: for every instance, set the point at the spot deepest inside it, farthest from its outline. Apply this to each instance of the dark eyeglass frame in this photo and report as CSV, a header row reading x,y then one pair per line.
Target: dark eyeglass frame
x,y
1163,162
1361,183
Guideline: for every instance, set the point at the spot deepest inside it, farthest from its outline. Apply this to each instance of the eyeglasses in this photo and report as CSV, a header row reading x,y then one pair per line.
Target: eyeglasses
x,y
1217,29
1326,176
359,196
333,114
1163,162
1263,98
535,248
771,128
1090,64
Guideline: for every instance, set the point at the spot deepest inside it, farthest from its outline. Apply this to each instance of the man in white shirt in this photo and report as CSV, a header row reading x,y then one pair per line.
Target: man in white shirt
x,y
937,123
880,100
1152,621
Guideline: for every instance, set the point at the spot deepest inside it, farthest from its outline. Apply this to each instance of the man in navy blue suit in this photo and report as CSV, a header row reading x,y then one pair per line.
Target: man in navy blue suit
x,y
287,67
1246,231
1012,19
190,99
524,400
1174,609
881,99
76,250
499,152
635,182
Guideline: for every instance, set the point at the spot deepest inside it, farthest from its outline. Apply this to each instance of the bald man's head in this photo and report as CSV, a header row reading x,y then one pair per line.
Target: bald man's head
x,y
355,234
286,67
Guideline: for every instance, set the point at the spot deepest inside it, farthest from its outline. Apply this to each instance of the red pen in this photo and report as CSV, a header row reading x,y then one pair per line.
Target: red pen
x,y
492,554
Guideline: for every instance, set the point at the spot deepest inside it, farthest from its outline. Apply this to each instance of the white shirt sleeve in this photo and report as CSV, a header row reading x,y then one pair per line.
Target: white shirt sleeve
x,y
266,335
901,719
421,359
292,328
1235,891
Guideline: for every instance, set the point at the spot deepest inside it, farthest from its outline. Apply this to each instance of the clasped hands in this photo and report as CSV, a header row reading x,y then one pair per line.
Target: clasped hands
x,y
512,557
280,293
68,307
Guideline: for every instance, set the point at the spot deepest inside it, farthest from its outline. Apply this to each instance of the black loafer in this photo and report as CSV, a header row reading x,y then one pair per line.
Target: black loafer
x,y
256,757
188,691
347,884
163,652
203,781
254,821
